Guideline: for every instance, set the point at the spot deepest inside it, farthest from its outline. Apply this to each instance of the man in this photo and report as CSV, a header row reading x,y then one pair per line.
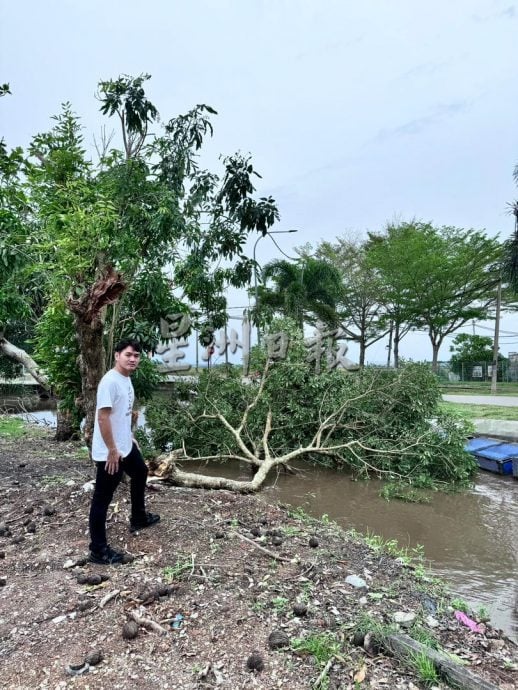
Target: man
x,y
115,451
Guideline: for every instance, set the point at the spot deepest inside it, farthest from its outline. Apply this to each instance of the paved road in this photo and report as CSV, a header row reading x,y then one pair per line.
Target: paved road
x,y
502,400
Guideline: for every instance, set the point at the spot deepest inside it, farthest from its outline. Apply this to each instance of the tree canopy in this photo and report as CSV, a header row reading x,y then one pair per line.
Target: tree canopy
x,y
125,239
435,279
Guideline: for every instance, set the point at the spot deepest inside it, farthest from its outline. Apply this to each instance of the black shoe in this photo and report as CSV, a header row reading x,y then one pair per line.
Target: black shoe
x,y
107,556
150,519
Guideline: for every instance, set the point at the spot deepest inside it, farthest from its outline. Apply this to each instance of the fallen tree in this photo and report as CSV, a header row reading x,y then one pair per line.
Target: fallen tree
x,y
359,421
21,357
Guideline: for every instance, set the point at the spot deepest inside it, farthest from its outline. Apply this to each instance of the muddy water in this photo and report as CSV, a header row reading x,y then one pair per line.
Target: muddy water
x,y
470,539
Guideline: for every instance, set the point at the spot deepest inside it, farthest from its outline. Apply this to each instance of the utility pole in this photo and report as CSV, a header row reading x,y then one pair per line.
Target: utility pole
x,y
494,369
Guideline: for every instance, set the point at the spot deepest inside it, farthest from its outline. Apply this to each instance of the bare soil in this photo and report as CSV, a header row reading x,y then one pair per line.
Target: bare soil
x,y
205,589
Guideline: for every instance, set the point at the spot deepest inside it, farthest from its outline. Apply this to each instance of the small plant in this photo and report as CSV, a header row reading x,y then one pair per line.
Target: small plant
x,y
425,668
403,492
460,605
176,572
407,555
54,480
12,427
290,530
300,514
425,636
280,604
258,606
367,623
322,646
483,614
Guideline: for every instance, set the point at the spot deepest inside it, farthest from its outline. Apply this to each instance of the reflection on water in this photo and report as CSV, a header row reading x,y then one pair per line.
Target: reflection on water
x,y
470,539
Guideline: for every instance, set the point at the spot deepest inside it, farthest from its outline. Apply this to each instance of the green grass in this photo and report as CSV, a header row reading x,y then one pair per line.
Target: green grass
x,y
479,388
471,412
322,646
425,668
11,427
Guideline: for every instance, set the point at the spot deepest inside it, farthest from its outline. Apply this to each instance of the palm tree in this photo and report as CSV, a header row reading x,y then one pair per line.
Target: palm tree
x,y
306,290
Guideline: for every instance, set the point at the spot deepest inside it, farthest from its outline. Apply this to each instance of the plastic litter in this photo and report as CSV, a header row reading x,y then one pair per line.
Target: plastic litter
x,y
177,622
468,622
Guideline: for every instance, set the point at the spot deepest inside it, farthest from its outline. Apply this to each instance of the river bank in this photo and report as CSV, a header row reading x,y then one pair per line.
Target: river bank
x,y
219,574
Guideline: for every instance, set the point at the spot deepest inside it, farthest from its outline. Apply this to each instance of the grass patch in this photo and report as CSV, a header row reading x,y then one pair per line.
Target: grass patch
x,y
12,427
471,412
479,388
425,668
175,572
321,646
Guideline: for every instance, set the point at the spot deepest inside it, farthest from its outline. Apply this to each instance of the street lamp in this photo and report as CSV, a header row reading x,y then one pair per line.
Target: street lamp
x,y
273,232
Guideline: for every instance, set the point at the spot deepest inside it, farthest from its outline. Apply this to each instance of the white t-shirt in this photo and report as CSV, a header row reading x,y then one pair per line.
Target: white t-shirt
x,y
115,391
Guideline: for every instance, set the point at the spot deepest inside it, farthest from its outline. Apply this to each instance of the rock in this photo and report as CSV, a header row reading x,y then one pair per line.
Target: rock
x,y
403,618
69,563
31,527
276,541
219,534
278,639
94,658
59,619
77,668
130,630
85,604
94,580
48,510
255,532
88,487
2,554
127,558
356,581
300,609
82,579
496,645
17,540
255,662
313,542
432,622
358,638
3,581
371,645
28,510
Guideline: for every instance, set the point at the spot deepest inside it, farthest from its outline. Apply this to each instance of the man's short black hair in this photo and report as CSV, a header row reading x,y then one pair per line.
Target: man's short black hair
x,y
128,342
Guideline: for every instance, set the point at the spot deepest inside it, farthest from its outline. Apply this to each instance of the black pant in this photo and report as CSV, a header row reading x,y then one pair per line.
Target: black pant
x,y
105,485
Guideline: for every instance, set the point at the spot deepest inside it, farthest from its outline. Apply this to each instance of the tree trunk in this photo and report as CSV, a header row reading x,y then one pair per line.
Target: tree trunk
x,y
389,347
88,313
92,369
361,361
20,356
67,427
396,345
435,356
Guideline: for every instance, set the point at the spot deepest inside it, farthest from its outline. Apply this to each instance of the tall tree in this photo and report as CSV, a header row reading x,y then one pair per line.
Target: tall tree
x,y
439,278
140,233
360,306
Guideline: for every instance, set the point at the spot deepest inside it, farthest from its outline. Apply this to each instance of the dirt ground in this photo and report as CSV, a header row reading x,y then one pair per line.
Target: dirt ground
x,y
206,592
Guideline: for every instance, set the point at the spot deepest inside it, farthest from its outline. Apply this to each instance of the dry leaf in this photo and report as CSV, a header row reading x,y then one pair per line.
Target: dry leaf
x,y
359,677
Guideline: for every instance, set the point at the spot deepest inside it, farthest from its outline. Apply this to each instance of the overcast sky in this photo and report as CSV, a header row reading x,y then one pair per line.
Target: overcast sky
x,y
354,113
